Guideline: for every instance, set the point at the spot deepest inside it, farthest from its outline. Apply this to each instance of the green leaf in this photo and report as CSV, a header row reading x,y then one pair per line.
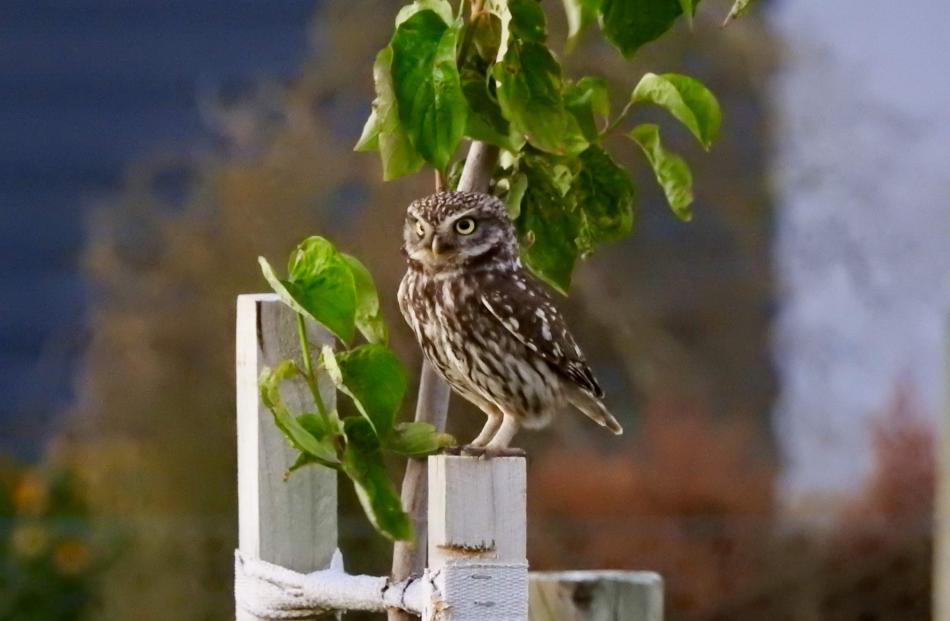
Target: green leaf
x,y
671,171
269,382
320,449
326,430
485,32
454,174
369,138
569,205
517,186
372,376
485,120
529,91
441,7
500,9
689,10
686,99
580,14
739,8
586,99
320,285
303,459
549,224
630,24
383,130
320,426
363,464
604,193
369,319
527,20
417,439
428,89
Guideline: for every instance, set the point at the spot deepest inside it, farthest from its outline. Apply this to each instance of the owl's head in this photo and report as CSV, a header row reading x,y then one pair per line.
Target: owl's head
x,y
449,230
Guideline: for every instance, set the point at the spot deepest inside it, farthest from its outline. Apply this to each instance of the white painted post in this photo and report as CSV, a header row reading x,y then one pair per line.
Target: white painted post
x,y
290,523
596,596
477,539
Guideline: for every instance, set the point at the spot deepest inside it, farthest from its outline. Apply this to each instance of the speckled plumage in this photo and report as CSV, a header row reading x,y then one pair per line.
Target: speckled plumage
x,y
485,324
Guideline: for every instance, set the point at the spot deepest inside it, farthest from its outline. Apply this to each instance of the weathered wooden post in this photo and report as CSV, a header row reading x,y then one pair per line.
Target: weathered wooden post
x,y
290,523
477,539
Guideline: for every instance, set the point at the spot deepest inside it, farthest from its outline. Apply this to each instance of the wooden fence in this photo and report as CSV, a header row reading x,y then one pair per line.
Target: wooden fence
x,y
288,566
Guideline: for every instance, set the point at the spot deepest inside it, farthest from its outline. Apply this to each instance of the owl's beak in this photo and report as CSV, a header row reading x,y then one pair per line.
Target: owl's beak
x,y
439,247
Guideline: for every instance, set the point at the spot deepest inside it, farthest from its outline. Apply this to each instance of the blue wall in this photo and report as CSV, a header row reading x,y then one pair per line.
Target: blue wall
x,y
87,86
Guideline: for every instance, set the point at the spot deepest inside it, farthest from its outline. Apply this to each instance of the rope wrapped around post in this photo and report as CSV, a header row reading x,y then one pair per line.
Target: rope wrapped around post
x,y
470,589
269,591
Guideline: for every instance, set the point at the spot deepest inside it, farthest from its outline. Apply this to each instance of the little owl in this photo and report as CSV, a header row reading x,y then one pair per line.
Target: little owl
x,y
485,324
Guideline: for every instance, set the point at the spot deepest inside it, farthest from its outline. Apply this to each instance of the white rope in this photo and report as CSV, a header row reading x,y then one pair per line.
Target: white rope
x,y
268,591
476,590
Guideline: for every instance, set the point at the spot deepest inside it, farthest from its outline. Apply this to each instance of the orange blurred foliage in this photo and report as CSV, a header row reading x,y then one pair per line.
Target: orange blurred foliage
x,y
689,497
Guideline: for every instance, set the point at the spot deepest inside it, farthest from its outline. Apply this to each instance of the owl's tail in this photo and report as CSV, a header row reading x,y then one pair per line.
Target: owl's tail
x,y
594,409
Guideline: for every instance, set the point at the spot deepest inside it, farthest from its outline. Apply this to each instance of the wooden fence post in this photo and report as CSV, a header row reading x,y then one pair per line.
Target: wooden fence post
x,y
477,539
596,596
289,523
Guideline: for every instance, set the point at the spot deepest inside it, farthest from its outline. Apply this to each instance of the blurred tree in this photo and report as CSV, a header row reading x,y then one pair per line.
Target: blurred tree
x,y
691,498
153,430
50,559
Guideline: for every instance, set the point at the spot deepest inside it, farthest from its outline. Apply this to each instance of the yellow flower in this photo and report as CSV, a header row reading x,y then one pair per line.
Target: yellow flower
x,y
29,541
72,557
31,495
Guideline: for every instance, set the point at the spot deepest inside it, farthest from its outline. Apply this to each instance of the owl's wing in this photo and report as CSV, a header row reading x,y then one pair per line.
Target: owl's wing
x,y
525,309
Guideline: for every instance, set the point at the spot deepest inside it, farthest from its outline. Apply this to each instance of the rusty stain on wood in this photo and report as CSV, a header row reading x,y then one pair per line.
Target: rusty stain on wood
x,y
465,548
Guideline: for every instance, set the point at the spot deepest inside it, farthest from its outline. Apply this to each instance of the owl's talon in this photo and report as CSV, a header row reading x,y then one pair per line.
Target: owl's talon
x,y
470,450
487,452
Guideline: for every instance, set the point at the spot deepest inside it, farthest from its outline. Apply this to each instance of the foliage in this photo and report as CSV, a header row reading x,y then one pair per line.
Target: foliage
x,y
692,498
688,498
49,558
335,289
493,77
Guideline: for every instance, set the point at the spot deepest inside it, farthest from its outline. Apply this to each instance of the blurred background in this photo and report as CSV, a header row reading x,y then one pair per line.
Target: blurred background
x,y
778,362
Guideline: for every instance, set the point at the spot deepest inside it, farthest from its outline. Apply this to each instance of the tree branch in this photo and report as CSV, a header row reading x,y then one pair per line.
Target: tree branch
x,y
409,558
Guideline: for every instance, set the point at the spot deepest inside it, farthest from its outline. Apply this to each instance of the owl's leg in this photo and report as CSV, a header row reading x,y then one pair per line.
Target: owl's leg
x,y
509,427
498,445
488,431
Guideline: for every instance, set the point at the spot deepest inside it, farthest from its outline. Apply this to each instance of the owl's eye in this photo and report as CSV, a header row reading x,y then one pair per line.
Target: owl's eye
x,y
420,230
465,226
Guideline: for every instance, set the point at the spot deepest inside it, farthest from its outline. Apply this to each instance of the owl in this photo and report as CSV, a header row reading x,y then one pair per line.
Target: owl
x,y
486,325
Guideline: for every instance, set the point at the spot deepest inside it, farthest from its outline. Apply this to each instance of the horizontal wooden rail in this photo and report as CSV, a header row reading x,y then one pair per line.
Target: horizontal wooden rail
x,y
596,596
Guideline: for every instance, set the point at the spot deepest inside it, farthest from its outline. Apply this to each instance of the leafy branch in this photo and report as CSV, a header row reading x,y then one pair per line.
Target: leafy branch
x,y
336,290
490,76
482,72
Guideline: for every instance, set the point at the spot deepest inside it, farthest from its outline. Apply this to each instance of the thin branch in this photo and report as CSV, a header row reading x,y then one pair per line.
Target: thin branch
x,y
619,119
409,559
